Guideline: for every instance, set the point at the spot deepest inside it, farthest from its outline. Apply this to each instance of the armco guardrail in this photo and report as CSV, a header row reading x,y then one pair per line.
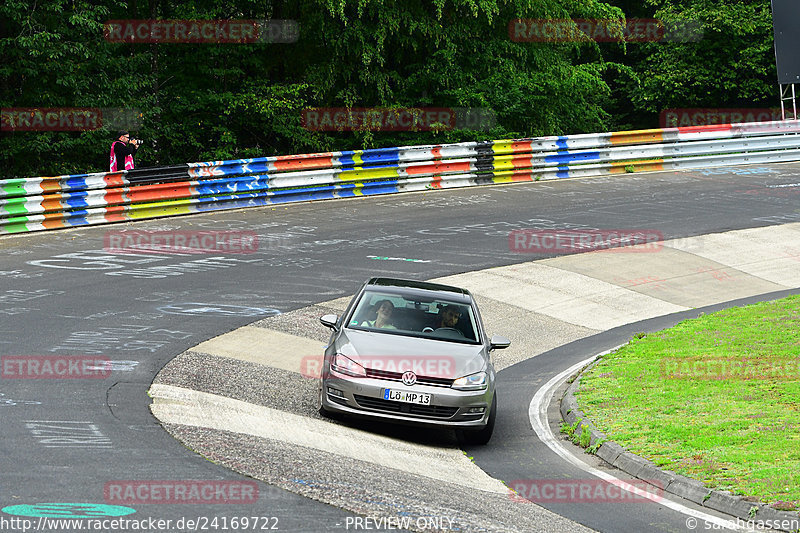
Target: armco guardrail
x,y
33,204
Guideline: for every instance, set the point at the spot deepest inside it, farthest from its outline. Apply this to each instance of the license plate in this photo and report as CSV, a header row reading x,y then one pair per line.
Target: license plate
x,y
420,398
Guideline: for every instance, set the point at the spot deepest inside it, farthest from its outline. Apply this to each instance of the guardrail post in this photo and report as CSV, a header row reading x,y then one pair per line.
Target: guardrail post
x,y
785,98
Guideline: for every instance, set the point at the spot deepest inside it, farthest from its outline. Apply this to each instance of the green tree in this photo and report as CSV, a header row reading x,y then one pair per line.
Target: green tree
x,y
728,63
213,101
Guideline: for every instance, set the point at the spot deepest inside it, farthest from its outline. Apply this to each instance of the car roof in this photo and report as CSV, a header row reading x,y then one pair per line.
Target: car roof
x,y
408,285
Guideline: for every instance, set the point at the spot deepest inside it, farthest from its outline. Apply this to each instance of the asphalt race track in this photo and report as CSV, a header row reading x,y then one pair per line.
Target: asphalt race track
x,y
69,440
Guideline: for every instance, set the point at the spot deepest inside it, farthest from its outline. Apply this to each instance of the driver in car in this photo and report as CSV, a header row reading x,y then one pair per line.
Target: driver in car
x,y
448,317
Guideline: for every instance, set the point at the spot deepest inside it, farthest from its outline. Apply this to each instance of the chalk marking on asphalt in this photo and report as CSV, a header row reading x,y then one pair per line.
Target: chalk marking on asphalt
x,y
537,413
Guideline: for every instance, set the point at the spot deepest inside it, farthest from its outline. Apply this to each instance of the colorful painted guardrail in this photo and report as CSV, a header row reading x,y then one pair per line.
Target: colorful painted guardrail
x,y
34,204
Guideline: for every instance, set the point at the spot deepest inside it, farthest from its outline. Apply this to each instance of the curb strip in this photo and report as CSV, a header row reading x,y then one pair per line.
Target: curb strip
x,y
681,486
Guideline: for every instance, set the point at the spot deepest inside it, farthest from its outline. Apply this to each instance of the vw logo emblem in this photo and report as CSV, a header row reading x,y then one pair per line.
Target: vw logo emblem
x,y
409,378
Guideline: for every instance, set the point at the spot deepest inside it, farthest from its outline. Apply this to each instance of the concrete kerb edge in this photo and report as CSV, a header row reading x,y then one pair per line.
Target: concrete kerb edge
x,y
640,468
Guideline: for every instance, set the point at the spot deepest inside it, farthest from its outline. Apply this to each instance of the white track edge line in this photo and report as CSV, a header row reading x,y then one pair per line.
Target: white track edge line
x,y
537,413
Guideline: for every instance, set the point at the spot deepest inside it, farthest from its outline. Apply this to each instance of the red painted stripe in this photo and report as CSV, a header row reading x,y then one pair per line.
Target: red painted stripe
x,y
521,146
522,176
114,179
520,161
115,213
438,167
161,191
710,127
294,162
114,196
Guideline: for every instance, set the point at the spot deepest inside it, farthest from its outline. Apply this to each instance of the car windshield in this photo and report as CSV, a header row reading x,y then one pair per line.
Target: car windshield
x,y
415,316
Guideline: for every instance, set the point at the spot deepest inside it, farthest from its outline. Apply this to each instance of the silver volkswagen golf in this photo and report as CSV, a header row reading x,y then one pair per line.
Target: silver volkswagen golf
x,y
412,352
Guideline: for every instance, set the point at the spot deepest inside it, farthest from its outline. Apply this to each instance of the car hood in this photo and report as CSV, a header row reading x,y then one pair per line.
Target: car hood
x,y
398,353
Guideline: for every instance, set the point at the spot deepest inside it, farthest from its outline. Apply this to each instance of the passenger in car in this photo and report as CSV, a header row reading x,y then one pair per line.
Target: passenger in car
x,y
383,316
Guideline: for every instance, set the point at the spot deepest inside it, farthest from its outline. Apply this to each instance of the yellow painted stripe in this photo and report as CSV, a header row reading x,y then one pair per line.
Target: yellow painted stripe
x,y
357,158
503,147
638,166
507,162
160,209
370,174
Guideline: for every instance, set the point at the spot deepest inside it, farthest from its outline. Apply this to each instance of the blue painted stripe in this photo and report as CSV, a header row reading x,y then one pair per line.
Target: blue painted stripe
x,y
569,157
372,189
381,155
321,194
209,187
561,142
77,218
346,158
563,172
259,167
231,204
75,200
73,183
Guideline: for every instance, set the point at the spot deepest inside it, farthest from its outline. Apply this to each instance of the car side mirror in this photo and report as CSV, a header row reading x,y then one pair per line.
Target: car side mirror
x,y
329,320
498,342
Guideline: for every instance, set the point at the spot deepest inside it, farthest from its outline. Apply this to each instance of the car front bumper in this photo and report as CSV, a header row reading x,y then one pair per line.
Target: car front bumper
x,y
364,397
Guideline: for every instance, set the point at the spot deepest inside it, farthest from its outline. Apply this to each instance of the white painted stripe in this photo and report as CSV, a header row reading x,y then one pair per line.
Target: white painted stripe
x,y
177,405
567,296
33,187
537,413
267,347
771,253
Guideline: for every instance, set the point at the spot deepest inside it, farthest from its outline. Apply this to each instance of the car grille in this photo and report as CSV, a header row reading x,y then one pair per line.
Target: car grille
x,y
398,376
379,404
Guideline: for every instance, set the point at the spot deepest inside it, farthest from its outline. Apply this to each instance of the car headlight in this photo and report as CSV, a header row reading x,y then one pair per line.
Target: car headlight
x,y
472,382
345,365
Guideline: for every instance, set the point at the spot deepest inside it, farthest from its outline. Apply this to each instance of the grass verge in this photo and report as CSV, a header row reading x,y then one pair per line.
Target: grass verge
x,y
716,399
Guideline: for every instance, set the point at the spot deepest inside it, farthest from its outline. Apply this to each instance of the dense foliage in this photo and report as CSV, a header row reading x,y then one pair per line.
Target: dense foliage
x,y
223,100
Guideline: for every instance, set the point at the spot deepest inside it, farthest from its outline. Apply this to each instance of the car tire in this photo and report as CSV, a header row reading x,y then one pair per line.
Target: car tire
x,y
481,436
